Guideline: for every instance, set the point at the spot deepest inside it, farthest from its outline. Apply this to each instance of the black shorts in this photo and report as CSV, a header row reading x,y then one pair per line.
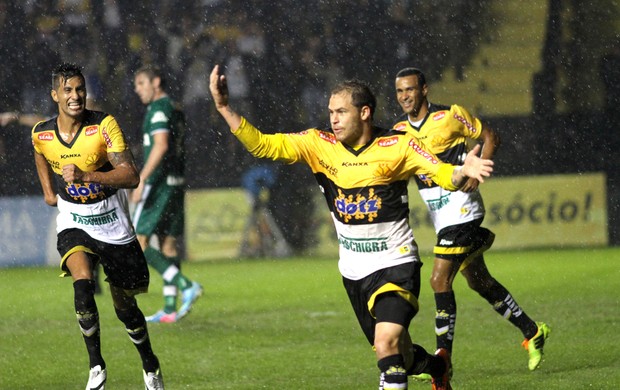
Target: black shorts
x,y
124,265
396,289
463,242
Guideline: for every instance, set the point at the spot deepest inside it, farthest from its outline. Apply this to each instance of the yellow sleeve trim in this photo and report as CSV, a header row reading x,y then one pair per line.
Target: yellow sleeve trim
x,y
444,177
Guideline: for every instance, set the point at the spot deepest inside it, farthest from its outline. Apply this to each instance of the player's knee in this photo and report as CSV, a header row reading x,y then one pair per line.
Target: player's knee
x,y
441,283
386,344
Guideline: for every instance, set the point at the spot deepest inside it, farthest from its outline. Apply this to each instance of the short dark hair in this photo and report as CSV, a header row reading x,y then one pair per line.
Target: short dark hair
x,y
152,71
411,72
361,95
65,71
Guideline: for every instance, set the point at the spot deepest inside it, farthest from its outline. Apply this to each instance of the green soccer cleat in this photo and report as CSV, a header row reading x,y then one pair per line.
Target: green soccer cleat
x,y
534,346
423,377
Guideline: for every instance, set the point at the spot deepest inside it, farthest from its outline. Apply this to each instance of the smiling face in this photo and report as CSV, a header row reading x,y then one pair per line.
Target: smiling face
x,y
70,96
348,122
411,96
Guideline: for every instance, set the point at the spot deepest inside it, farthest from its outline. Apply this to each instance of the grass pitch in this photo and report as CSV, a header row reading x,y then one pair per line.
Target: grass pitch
x,y
287,324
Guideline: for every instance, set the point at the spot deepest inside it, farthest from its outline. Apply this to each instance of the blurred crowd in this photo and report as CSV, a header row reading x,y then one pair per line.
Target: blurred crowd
x,y
282,59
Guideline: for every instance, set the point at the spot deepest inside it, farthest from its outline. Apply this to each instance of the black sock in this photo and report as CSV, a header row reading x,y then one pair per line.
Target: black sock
x,y
135,325
445,319
507,307
423,362
88,319
393,373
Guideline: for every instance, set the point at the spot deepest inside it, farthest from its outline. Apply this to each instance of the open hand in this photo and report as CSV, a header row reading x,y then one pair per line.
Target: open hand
x,y
476,167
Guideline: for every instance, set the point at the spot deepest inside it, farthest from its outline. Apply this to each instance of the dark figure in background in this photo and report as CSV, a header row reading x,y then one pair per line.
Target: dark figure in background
x,y
363,172
457,215
84,166
609,71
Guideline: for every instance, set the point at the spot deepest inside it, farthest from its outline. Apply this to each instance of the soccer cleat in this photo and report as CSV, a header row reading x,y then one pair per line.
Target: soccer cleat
x,y
443,382
153,380
96,378
534,346
423,377
190,295
162,316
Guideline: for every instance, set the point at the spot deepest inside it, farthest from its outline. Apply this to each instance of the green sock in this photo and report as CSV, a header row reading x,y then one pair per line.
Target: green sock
x,y
170,297
166,268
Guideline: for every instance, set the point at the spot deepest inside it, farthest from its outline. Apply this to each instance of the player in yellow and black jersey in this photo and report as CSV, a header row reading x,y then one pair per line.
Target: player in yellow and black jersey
x,y
448,131
363,173
84,166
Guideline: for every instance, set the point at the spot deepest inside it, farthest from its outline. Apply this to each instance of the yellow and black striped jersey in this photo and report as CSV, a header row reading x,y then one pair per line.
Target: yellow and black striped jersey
x,y
365,188
100,211
445,131
98,136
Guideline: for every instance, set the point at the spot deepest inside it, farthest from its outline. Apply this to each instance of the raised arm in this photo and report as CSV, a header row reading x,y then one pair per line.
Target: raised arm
x,y
219,91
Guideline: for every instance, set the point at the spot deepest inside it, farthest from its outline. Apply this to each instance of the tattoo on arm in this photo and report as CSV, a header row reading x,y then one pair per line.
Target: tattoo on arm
x,y
117,158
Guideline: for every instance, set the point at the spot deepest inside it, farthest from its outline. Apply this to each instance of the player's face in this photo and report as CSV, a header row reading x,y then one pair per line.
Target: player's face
x,y
71,97
346,119
145,88
411,96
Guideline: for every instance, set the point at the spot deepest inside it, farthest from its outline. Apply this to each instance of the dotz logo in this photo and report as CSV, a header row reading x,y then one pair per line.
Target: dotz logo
x,y
85,191
358,208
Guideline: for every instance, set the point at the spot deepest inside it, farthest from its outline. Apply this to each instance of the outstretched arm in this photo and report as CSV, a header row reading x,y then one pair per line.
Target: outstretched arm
x,y
219,91
474,167
491,142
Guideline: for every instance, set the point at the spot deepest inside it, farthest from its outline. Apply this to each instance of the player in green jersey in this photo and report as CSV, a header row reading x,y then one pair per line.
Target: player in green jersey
x,y
160,207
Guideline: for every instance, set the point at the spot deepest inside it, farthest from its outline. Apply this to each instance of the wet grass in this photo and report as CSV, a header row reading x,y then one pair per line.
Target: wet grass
x,y
273,324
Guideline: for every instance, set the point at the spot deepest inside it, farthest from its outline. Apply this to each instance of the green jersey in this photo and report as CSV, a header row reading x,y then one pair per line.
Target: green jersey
x,y
163,115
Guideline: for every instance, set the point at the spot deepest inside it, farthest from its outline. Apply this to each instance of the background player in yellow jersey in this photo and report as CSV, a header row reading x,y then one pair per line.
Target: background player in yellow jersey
x,y
363,172
84,165
457,216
